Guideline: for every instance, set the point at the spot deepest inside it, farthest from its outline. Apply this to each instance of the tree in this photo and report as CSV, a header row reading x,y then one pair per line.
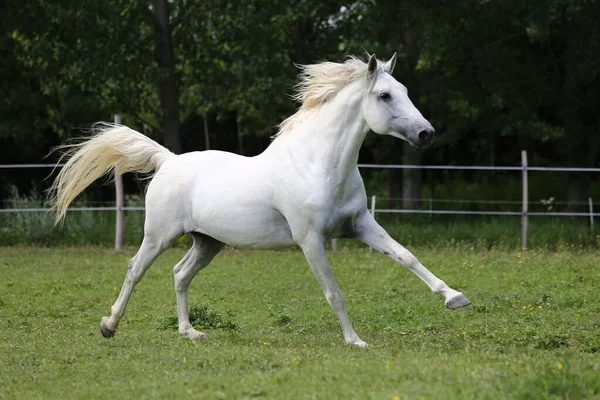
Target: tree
x,y
523,73
118,71
374,27
168,85
492,77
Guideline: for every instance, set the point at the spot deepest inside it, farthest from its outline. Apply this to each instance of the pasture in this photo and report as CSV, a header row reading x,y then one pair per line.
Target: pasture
x,y
533,330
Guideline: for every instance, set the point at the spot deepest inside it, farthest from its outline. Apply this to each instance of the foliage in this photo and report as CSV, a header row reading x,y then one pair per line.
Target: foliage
x,y
202,318
81,73
532,331
493,77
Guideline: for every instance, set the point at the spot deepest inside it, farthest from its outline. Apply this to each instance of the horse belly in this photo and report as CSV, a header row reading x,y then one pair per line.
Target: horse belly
x,y
246,227
237,210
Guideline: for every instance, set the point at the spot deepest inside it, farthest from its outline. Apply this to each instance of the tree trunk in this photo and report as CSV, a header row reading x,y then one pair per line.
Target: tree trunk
x,y
575,143
492,149
240,135
168,90
412,179
206,132
394,174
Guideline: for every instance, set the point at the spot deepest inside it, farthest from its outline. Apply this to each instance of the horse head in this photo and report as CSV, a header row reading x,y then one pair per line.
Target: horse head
x,y
389,111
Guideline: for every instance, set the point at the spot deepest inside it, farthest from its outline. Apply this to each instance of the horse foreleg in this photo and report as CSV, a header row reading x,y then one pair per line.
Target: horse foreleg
x,y
136,269
314,251
371,233
200,255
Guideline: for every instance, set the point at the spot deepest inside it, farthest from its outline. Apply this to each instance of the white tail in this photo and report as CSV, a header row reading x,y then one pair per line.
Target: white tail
x,y
113,149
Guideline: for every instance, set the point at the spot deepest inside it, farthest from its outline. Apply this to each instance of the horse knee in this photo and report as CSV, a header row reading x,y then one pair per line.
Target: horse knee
x,y
407,259
134,272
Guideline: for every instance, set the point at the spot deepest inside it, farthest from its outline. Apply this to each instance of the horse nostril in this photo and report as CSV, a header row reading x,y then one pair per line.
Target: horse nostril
x,y
426,135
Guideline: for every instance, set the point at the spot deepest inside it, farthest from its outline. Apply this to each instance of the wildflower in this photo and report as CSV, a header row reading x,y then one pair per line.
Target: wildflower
x,y
540,307
559,366
266,343
396,398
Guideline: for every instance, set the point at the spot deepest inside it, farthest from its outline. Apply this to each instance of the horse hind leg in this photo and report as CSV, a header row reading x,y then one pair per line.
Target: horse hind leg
x,y
136,268
203,250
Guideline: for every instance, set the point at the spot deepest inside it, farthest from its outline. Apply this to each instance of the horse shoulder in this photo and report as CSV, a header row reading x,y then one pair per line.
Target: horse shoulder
x,y
354,194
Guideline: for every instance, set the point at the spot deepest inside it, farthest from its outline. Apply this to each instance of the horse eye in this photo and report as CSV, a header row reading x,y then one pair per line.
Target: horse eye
x,y
385,96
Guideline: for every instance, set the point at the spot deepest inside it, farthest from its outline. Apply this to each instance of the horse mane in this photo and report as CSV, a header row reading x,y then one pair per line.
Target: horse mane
x,y
320,82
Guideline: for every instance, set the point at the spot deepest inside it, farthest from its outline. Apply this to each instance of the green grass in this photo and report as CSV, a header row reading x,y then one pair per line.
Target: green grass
x,y
488,233
533,331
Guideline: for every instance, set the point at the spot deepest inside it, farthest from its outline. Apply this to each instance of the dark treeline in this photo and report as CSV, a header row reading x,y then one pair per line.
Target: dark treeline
x,y
493,77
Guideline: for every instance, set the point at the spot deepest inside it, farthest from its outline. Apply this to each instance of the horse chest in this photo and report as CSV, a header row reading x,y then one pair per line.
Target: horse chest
x,y
330,209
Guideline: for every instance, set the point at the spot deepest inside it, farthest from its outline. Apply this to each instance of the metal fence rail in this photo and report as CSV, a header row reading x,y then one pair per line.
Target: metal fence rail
x,y
119,208
21,210
478,168
466,212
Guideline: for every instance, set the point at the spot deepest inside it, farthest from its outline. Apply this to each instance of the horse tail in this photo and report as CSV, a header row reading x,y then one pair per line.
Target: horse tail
x,y
112,149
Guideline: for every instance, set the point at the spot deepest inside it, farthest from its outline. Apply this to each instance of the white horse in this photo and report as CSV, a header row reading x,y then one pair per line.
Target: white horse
x,y
304,189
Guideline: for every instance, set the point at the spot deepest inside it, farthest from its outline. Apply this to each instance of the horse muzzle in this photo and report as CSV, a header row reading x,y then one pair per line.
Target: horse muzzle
x,y
424,138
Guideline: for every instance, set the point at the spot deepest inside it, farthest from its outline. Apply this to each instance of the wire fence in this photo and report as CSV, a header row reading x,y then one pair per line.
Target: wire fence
x,y
12,206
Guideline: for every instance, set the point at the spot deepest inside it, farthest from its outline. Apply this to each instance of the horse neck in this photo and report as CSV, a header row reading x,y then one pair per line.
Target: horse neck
x,y
330,136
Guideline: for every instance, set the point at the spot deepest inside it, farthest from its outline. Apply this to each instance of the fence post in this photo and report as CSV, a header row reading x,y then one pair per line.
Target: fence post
x,y
119,226
373,200
591,213
525,200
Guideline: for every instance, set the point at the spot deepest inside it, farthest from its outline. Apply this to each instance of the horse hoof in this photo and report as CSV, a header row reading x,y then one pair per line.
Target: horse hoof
x,y
357,343
457,301
201,336
107,333
193,334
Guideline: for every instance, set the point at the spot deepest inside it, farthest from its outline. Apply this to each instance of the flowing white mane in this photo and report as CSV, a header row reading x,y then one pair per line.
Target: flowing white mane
x,y
320,82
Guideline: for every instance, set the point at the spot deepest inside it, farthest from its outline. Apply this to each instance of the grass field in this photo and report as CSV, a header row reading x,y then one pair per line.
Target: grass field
x,y
533,331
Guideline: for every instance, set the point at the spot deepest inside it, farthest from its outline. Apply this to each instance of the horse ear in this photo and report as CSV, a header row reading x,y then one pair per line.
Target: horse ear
x,y
389,66
372,67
